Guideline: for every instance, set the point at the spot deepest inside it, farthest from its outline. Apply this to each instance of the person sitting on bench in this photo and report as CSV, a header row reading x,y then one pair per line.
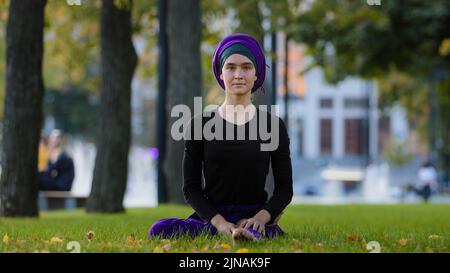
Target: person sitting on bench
x,y
60,171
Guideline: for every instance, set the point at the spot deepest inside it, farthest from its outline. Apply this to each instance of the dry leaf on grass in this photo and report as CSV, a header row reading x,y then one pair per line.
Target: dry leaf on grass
x,y
353,236
225,246
90,235
434,237
403,242
55,240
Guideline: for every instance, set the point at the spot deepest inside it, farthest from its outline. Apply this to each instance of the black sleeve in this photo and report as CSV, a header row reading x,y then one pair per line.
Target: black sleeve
x,y
192,174
282,173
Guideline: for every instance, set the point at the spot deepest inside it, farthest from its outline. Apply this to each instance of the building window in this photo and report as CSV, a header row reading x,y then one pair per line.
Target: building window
x,y
356,136
356,103
326,103
326,136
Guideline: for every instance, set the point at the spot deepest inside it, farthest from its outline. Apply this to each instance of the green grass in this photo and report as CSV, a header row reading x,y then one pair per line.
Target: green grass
x,y
310,228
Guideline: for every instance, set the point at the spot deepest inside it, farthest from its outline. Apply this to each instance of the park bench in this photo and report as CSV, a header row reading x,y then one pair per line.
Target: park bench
x,y
351,178
51,200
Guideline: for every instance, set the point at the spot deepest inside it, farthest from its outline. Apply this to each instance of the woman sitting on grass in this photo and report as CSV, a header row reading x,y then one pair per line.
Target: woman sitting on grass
x,y
234,201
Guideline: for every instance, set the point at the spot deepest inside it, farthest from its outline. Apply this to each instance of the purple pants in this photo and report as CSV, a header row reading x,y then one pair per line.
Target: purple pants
x,y
194,225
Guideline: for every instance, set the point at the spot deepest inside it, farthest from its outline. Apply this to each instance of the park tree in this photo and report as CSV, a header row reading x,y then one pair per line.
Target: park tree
x,y
23,108
3,19
118,63
184,81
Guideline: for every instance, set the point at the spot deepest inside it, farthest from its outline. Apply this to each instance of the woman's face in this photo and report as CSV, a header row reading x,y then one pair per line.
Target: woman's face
x,y
238,74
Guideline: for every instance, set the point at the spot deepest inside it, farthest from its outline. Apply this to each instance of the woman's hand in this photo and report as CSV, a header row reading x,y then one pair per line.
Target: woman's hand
x,y
257,222
222,225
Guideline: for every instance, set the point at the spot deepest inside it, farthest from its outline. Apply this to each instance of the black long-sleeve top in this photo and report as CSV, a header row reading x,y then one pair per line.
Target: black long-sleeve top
x,y
235,171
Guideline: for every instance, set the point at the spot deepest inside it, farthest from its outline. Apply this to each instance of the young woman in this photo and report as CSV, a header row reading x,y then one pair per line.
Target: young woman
x,y
233,200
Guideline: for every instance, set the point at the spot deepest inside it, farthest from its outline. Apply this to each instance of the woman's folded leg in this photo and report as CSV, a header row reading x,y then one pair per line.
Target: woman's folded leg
x,y
171,227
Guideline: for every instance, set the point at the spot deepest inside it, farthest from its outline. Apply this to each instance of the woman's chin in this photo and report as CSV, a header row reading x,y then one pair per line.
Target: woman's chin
x,y
240,91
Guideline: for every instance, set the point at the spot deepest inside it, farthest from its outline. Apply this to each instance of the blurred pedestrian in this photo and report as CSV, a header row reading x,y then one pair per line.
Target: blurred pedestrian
x,y
60,173
427,181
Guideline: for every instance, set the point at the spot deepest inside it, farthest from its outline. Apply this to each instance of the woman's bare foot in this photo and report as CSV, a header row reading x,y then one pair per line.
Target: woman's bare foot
x,y
241,235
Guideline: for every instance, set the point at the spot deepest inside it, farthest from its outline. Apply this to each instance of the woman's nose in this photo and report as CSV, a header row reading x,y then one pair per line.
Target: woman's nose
x,y
238,73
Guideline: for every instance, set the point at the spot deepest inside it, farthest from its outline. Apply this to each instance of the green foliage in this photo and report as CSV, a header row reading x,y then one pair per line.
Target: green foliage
x,y
369,41
398,153
249,16
72,55
123,4
411,93
145,26
75,111
212,12
399,43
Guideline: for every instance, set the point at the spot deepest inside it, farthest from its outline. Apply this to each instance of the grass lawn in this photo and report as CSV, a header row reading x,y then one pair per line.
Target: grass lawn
x,y
310,228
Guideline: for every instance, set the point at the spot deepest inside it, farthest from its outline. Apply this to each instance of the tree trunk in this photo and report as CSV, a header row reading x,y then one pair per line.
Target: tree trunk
x,y
23,108
185,80
118,62
162,99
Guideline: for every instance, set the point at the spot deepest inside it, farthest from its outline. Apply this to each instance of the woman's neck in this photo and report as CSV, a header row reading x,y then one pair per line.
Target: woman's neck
x,y
237,112
244,100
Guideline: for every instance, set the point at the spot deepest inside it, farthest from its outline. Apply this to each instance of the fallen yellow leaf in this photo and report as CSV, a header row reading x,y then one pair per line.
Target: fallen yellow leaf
x,y
158,249
194,250
225,246
133,243
5,238
402,241
296,244
363,243
353,236
434,237
55,240
317,246
205,248
242,250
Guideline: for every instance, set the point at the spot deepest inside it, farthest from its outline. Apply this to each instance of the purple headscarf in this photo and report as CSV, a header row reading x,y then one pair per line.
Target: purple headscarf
x,y
249,42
